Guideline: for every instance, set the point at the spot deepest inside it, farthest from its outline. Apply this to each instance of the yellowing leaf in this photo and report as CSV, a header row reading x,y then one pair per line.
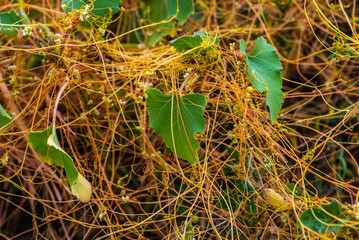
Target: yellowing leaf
x,y
82,189
47,145
275,200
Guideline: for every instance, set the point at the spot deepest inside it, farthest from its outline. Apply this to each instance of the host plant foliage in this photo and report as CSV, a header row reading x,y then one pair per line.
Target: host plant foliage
x,y
175,117
177,113
47,145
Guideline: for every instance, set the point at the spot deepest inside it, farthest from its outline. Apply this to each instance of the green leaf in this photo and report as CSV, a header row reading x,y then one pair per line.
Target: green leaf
x,y
168,9
176,119
207,36
188,231
268,162
239,197
24,18
165,9
247,189
324,219
185,8
5,118
186,43
162,30
293,189
264,69
47,145
229,200
100,8
49,36
13,22
201,46
156,16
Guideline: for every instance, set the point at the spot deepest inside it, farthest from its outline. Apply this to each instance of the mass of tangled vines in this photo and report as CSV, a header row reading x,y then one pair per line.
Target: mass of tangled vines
x,y
188,119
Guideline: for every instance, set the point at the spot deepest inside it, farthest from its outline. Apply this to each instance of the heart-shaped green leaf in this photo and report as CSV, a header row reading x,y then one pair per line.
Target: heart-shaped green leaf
x,y
324,219
264,69
176,119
